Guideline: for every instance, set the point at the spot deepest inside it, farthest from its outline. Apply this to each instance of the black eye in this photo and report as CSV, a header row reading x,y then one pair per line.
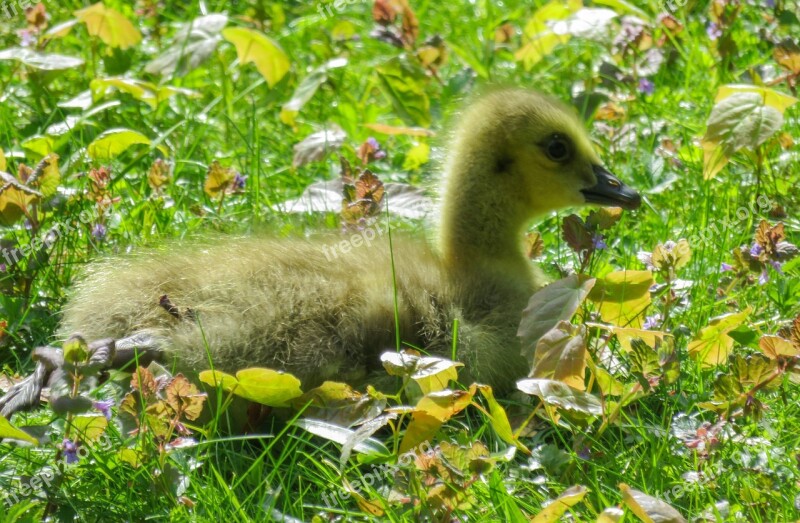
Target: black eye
x,y
558,148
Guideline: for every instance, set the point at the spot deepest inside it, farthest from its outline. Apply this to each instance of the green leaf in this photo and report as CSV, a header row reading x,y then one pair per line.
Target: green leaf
x,y
305,91
114,142
499,420
555,303
7,430
90,427
265,386
146,92
253,46
743,117
403,85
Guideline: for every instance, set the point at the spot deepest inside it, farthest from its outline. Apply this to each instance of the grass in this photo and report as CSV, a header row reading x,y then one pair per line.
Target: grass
x,y
233,117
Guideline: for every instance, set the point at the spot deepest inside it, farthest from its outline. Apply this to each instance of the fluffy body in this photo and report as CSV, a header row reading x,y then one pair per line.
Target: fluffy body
x,y
283,304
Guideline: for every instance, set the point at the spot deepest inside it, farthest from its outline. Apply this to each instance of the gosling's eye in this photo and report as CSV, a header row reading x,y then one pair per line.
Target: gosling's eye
x,y
558,148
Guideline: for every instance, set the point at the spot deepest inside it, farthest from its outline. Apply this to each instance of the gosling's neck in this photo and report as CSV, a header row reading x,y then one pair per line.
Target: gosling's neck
x,y
481,224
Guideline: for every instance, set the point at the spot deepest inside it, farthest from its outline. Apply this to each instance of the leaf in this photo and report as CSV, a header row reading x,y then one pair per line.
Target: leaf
x,y
402,83
561,395
219,180
569,498
184,397
191,46
712,344
316,147
553,304
743,117
265,386
41,61
623,297
3,165
787,54
404,200
305,91
90,428
499,419
114,142
625,335
50,178
146,92
430,413
561,355
110,25
539,40
648,508
776,347
341,435
9,431
588,22
394,131
253,46
339,403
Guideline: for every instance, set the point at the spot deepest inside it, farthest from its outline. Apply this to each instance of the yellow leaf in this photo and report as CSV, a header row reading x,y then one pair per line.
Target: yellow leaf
x,y
253,46
391,130
90,428
265,386
552,513
714,159
2,160
7,430
713,345
624,336
499,420
114,142
772,98
623,297
110,25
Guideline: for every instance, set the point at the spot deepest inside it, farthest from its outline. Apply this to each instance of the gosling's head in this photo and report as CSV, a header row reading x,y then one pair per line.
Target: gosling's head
x,y
538,152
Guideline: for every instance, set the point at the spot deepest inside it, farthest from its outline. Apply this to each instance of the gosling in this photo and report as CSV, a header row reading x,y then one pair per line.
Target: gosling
x,y
283,304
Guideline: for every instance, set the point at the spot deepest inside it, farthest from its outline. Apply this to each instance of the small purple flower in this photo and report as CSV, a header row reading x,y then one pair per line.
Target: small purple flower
x,y
3,267
778,266
725,267
377,153
239,182
104,406
770,3
646,86
756,250
99,231
764,278
70,451
652,322
713,31
598,242
27,38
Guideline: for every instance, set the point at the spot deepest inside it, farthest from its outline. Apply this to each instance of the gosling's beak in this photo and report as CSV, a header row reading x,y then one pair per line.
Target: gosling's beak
x,y
610,191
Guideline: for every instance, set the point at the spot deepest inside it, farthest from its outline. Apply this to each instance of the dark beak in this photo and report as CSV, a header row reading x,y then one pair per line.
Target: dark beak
x,y
610,191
